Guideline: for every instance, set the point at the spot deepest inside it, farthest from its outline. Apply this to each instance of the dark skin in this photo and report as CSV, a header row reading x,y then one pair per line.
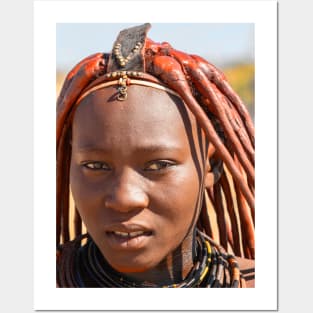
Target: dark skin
x,y
138,171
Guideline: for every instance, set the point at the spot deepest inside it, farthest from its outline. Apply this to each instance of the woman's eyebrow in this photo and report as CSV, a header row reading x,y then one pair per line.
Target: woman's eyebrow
x,y
159,147
162,147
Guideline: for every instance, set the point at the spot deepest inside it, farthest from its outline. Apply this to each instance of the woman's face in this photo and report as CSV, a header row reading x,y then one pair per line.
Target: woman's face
x,y
136,175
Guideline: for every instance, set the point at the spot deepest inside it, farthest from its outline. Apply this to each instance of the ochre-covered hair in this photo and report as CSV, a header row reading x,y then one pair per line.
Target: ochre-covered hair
x,y
220,113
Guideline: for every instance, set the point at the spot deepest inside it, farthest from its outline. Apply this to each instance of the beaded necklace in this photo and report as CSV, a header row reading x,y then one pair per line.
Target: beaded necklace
x,y
84,266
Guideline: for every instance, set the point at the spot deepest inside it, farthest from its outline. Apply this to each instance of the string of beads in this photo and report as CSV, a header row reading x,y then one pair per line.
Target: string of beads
x,y
124,60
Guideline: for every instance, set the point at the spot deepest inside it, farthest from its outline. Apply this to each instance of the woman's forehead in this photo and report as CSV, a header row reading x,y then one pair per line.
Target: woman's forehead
x,y
147,113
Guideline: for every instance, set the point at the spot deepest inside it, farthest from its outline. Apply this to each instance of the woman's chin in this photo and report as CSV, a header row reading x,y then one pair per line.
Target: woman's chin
x,y
131,267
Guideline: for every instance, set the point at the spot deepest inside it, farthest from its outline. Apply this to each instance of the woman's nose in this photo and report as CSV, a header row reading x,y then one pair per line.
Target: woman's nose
x,y
126,192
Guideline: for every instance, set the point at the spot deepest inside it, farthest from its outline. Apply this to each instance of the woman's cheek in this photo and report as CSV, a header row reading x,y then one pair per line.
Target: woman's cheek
x,y
86,191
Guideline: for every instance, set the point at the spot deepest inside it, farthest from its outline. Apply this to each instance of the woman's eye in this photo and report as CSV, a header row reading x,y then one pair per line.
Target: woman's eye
x,y
96,166
158,165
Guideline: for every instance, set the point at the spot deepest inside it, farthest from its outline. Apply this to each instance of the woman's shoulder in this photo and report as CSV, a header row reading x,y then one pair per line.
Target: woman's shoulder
x,y
247,268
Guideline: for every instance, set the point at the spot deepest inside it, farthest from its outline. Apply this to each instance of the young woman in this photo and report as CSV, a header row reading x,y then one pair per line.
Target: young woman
x,y
146,136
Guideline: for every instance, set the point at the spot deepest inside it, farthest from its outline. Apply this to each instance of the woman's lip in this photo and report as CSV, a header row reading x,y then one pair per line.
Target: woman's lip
x,y
126,228
118,242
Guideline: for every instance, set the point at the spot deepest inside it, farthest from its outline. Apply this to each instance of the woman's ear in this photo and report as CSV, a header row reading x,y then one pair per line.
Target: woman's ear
x,y
213,167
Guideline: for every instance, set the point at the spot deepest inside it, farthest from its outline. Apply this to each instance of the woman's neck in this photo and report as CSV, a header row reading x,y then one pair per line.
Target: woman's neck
x,y
173,269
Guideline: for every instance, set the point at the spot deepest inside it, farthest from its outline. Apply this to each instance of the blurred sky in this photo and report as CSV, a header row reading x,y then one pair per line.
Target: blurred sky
x,y
221,44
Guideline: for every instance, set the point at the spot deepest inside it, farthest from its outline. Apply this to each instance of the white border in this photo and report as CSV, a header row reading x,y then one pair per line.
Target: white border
x,y
264,15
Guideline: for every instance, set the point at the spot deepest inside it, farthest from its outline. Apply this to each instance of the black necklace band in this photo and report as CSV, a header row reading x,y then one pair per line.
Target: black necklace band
x,y
84,266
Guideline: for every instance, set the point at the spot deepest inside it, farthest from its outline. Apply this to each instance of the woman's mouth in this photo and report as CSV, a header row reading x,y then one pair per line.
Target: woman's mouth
x,y
130,234
128,240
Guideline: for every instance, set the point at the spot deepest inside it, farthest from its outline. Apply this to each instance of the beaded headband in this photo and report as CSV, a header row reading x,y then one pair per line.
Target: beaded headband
x,y
122,83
